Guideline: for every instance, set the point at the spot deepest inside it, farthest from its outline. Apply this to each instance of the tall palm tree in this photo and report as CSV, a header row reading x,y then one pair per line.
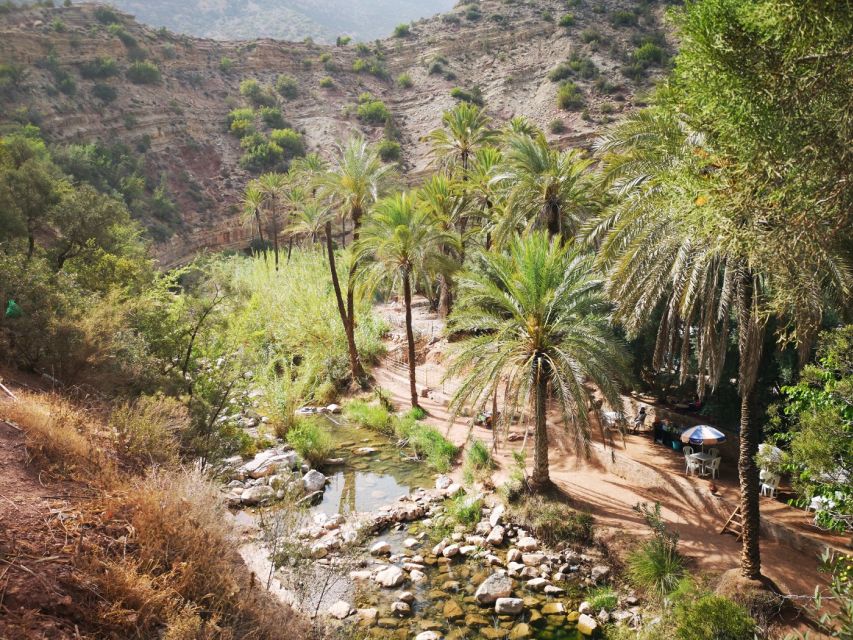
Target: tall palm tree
x,y
401,243
309,221
536,321
547,188
356,179
675,236
442,198
273,188
466,129
253,208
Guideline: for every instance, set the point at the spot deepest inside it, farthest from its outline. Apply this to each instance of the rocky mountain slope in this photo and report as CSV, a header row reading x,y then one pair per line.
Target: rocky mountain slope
x,y
322,20
177,115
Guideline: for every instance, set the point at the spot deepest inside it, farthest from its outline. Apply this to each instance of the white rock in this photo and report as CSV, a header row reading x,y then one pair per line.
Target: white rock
x,y
509,606
599,572
440,547
468,550
497,585
313,481
537,584
368,615
513,555
417,575
603,616
340,610
585,607
551,590
257,495
450,550
587,625
406,596
400,608
390,577
410,543
496,536
533,559
442,482
428,635
527,544
496,515
319,550
380,549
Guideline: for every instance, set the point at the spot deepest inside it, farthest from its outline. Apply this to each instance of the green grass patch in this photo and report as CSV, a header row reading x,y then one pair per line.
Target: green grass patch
x,y
311,441
370,416
551,521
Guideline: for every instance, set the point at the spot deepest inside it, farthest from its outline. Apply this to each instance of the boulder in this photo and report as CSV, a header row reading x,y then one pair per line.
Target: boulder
x,y
553,608
521,631
513,555
585,607
450,550
509,606
257,495
527,544
442,482
340,610
497,585
406,596
380,549
390,577
496,515
368,616
313,481
533,559
452,610
496,536
417,575
400,608
587,625
537,584
599,572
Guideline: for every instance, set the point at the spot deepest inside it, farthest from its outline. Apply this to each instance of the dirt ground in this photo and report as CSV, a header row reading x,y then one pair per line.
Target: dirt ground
x,y
687,505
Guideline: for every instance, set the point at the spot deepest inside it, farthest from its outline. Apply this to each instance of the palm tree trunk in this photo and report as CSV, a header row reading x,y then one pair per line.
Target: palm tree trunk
x,y
355,363
410,337
445,296
750,558
541,478
275,234
356,227
260,227
289,247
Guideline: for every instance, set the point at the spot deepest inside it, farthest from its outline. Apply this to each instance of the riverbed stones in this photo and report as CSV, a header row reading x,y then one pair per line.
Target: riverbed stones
x,y
452,610
520,631
533,559
553,608
340,610
496,536
527,544
443,482
313,481
391,576
513,555
380,548
497,585
509,606
269,462
368,616
417,576
537,584
428,635
587,624
401,609
257,495
585,607
494,634
450,550
599,572
496,515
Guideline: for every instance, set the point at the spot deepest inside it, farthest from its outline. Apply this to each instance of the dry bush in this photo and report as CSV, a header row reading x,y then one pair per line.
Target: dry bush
x,y
62,437
185,541
146,431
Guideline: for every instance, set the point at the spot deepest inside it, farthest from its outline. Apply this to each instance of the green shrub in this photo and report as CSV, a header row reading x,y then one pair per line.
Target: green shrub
x,y
435,67
287,87
143,72
603,598
427,443
104,92
576,66
623,18
121,33
100,67
569,97
465,510
372,110
567,20
326,83
370,416
656,566
389,150
404,81
226,64
241,122
272,117
416,413
343,41
311,441
590,35
473,96
479,456
105,15
713,618
260,154
256,93
402,30
557,126
290,141
650,54
473,14
551,521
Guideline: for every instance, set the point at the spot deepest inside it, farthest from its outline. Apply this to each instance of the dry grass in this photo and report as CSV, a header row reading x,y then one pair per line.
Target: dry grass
x,y
162,560
62,438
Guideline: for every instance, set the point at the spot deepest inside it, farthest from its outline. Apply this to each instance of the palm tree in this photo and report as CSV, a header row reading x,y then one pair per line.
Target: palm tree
x,y
466,129
402,242
676,237
355,181
309,220
253,208
442,198
273,188
547,188
536,322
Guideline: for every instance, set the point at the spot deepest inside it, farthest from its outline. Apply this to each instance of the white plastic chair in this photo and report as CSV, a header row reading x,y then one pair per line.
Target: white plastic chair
x,y
713,466
693,465
769,485
688,451
714,452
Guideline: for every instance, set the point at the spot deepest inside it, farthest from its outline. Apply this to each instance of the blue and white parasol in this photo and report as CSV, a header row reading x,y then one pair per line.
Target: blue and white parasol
x,y
703,435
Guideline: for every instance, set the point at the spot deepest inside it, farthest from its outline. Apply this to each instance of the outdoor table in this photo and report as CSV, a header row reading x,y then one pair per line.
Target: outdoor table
x,y
703,458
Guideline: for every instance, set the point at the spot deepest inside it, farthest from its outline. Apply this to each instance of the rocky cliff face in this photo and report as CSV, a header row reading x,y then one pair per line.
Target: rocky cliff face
x,y
505,49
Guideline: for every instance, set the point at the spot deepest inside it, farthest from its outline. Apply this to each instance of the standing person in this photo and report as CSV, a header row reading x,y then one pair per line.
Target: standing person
x,y
640,420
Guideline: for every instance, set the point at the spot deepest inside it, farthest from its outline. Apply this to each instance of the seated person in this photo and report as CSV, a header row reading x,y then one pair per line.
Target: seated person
x,y
640,420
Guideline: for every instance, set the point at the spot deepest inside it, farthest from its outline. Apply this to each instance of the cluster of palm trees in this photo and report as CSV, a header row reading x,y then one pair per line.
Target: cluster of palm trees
x,y
536,253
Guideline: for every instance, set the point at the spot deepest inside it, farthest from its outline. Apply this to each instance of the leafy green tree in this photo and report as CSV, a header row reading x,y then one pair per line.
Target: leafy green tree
x,y
401,243
536,320
356,179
